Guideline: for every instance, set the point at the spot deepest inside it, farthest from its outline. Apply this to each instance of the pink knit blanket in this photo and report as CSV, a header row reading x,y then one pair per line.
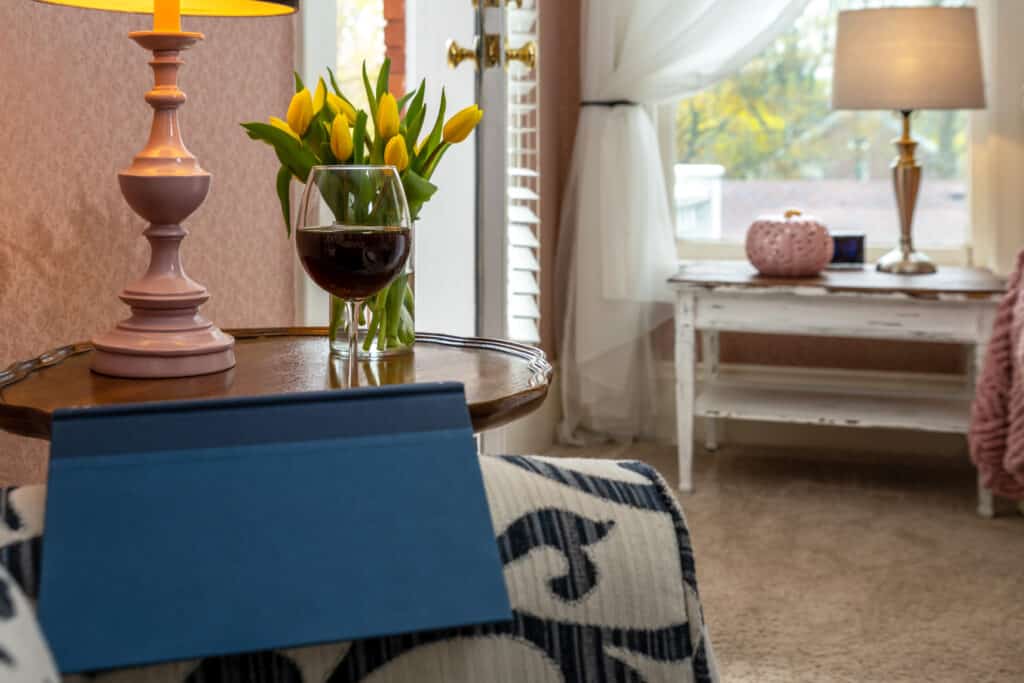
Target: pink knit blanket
x,y
996,434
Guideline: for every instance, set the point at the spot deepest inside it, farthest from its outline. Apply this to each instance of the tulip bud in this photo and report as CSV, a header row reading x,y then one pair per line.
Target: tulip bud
x,y
319,96
340,106
300,112
396,154
462,124
387,117
341,138
278,123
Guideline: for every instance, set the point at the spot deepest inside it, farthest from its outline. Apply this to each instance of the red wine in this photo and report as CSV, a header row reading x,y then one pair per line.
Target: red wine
x,y
353,262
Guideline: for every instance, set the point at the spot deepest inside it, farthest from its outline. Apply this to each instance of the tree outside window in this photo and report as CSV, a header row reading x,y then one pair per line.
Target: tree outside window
x,y
766,140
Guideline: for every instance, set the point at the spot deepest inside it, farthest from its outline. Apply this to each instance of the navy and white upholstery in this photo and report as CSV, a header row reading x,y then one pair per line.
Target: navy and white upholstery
x,y
600,571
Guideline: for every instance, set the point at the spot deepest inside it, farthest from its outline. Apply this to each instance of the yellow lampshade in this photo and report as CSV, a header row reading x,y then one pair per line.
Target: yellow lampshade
x,y
212,8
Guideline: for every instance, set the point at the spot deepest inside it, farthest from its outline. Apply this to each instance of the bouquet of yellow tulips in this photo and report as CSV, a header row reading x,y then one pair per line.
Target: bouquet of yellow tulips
x,y
325,128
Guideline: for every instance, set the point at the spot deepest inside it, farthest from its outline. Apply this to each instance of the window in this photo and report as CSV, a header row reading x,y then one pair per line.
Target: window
x,y
766,140
361,25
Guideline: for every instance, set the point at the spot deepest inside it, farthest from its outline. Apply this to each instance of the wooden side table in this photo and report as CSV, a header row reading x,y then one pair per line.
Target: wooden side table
x,y
954,305
503,380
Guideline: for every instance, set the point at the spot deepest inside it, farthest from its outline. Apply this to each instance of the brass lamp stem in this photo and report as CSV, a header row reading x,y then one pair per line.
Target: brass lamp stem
x,y
906,178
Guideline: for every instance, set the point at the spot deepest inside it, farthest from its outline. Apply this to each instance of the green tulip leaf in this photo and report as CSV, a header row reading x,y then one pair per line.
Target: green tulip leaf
x,y
415,125
284,182
383,78
396,293
407,328
417,188
298,82
318,136
435,159
418,191
434,139
337,90
290,151
404,100
358,138
416,113
370,97
410,301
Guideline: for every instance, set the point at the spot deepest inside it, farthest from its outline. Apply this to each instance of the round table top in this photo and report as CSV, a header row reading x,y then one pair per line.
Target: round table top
x,y
503,380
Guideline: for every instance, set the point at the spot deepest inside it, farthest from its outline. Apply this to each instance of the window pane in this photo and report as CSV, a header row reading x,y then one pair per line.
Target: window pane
x,y
766,140
360,37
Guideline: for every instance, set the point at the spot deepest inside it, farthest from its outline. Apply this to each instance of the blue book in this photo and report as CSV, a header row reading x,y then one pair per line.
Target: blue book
x,y
181,530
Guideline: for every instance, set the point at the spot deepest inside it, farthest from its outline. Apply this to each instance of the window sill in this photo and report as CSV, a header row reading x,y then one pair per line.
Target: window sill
x,y
716,250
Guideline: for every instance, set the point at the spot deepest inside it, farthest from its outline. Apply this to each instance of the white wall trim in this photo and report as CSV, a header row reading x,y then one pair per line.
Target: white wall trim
x,y
316,47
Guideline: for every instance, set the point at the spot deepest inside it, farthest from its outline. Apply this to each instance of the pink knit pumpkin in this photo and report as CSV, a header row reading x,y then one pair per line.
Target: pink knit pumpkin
x,y
793,245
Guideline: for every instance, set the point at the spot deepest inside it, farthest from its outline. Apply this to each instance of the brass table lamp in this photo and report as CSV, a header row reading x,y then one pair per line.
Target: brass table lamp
x,y
166,336
907,59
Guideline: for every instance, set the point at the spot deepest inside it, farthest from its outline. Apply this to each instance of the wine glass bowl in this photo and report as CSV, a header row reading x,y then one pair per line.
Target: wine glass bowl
x,y
353,262
353,235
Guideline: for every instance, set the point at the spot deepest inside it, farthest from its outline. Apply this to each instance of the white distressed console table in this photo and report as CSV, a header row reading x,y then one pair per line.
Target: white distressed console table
x,y
955,305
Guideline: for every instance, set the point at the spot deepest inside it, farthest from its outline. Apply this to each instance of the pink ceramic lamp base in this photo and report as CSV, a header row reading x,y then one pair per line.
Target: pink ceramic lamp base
x,y
165,335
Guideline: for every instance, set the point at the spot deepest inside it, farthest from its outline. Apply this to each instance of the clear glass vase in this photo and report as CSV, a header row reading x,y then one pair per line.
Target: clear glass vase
x,y
387,321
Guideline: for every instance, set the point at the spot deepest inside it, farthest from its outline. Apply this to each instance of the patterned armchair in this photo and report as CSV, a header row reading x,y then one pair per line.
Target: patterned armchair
x,y
598,563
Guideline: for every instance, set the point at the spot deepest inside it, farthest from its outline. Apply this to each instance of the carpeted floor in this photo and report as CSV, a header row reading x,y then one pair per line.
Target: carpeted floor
x,y
847,567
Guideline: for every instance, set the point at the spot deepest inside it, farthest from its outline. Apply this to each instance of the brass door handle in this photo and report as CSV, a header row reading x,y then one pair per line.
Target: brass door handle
x,y
458,54
527,54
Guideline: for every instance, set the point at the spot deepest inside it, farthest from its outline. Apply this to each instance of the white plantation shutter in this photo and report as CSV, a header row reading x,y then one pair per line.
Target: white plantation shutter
x,y
523,183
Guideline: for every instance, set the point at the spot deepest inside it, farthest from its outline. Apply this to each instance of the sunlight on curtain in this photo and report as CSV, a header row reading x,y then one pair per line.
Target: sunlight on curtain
x,y
617,243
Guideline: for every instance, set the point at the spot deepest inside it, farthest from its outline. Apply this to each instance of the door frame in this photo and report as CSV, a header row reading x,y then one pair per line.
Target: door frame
x,y
492,181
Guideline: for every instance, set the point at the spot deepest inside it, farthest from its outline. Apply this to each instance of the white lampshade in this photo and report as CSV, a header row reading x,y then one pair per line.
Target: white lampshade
x,y
908,58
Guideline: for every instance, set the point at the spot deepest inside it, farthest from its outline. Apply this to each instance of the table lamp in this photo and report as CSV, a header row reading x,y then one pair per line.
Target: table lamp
x,y
166,336
907,59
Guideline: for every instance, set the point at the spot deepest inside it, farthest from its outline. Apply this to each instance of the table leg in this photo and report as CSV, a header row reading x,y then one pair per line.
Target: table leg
x,y
686,357
986,500
709,354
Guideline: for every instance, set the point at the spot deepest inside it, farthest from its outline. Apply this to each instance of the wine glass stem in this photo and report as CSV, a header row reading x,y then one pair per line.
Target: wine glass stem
x,y
353,343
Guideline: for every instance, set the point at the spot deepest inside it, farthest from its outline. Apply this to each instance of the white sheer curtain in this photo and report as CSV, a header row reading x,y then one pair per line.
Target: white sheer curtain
x,y
617,244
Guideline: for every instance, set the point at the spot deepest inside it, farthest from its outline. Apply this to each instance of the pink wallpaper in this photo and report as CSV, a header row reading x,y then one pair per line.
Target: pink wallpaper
x,y
71,87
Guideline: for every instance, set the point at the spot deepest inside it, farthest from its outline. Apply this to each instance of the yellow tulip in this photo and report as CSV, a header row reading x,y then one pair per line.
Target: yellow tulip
x,y
341,138
300,112
387,117
340,106
462,124
283,125
396,154
319,97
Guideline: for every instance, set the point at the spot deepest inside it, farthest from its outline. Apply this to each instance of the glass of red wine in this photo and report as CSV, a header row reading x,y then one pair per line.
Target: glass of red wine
x,y
353,236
